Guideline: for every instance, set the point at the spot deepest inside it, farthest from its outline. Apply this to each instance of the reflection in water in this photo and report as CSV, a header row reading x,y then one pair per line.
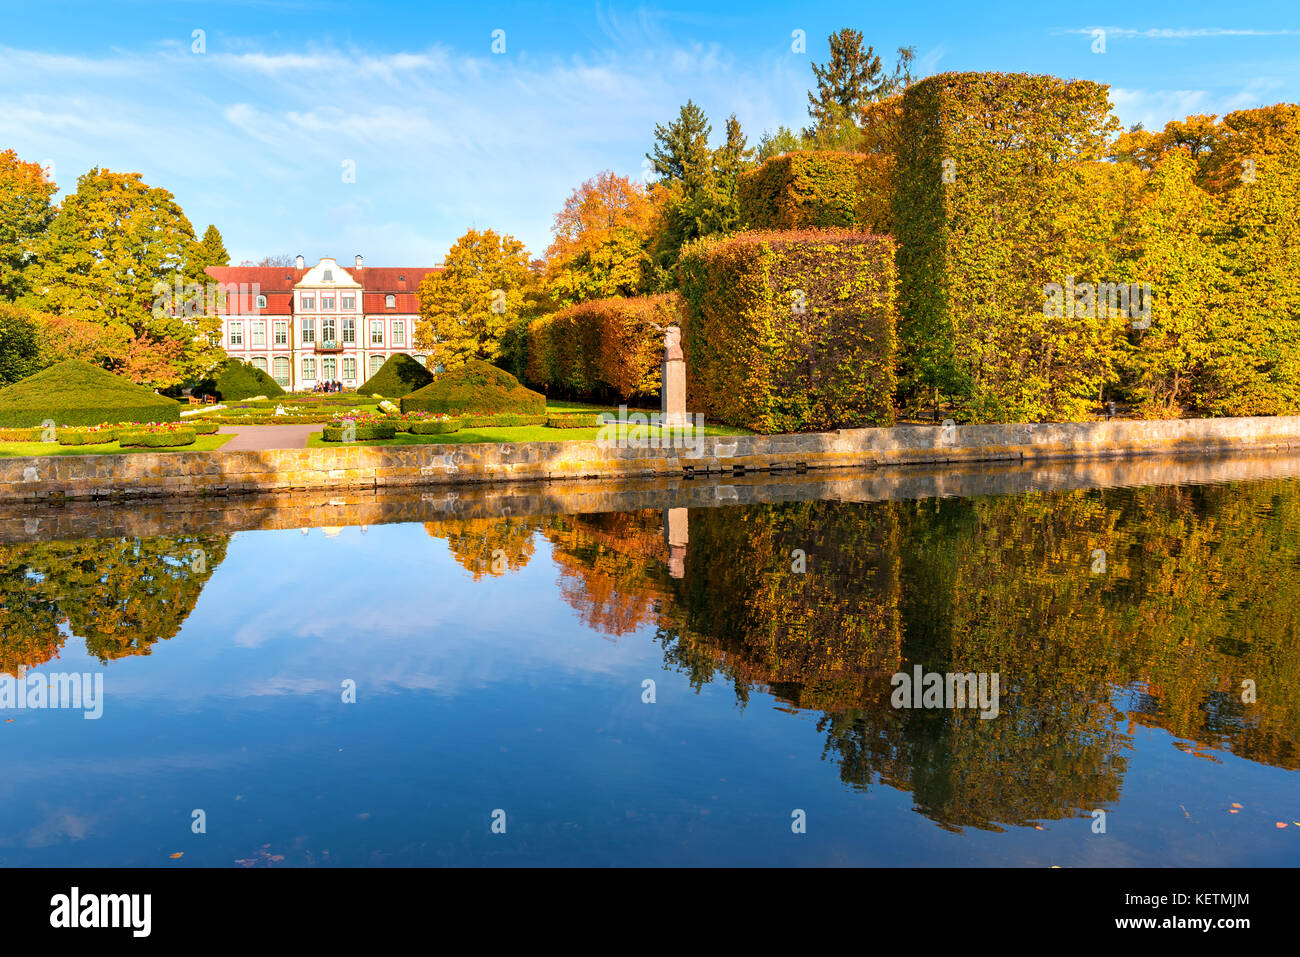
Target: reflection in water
x,y
818,603
119,595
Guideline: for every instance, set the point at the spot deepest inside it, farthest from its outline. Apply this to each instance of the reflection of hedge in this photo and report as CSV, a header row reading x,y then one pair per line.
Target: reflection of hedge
x,y
78,393
399,375
975,253
604,346
790,331
801,190
239,380
477,386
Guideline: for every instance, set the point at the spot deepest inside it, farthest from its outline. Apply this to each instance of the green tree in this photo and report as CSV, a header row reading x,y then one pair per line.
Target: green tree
x,y
25,214
20,343
112,257
211,249
471,304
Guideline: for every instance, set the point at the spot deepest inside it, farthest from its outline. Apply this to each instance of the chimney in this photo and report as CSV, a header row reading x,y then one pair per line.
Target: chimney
x,y
360,261
300,264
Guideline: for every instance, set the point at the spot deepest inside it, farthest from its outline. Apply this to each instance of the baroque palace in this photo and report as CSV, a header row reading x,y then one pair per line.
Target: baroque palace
x,y
323,324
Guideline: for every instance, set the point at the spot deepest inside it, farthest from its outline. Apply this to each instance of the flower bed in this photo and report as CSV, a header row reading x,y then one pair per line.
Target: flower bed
x,y
435,427
93,435
157,435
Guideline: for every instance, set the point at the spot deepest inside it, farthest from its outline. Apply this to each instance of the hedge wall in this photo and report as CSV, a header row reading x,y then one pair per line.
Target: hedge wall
x,y
607,346
790,331
78,393
801,190
975,251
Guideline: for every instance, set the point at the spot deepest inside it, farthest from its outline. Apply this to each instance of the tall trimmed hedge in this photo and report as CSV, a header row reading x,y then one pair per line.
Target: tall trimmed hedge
x,y
78,393
975,252
602,347
801,190
790,331
476,386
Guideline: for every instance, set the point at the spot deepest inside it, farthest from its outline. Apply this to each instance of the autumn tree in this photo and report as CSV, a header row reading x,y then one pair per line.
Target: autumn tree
x,y
25,214
601,241
468,307
114,247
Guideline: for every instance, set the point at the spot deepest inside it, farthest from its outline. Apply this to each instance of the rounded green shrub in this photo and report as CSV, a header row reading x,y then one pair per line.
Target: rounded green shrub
x,y
157,440
400,375
475,387
442,427
370,430
204,428
85,436
78,393
500,421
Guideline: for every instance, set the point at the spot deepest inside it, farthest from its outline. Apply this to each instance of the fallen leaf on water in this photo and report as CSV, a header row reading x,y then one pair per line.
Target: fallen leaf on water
x,y
178,854
9,720
1038,827
1281,823
1232,810
1235,804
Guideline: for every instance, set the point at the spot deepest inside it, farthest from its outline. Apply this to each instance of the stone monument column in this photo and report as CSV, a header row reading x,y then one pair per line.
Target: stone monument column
x,y
672,397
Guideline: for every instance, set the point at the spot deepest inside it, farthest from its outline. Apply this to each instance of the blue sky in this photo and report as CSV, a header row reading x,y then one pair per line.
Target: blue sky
x,y
253,133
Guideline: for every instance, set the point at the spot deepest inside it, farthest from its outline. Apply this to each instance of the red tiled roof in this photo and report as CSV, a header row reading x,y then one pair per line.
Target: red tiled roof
x,y
277,282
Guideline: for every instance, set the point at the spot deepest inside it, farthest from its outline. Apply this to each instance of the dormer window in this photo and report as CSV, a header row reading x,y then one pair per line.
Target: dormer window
x,y
329,275
390,302
261,302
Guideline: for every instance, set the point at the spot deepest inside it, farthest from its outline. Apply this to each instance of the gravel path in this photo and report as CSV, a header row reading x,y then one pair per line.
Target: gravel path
x,y
257,438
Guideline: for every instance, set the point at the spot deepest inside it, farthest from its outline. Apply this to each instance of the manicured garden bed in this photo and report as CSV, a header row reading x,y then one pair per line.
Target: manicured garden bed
x,y
203,443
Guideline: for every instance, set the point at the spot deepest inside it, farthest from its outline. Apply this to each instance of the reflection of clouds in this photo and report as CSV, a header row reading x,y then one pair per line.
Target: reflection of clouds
x,y
57,827
288,616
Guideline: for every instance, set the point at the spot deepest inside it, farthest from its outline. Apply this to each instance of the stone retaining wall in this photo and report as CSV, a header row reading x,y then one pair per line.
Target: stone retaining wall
x,y
45,478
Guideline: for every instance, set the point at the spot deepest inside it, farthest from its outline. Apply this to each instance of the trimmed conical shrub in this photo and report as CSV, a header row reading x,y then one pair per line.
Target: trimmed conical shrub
x,y
237,380
78,393
477,386
400,375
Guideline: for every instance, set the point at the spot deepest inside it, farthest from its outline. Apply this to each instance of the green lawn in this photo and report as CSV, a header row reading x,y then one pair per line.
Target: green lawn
x,y
10,450
519,433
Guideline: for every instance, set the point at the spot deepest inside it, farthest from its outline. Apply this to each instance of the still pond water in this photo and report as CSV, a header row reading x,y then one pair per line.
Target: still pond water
x,y
502,670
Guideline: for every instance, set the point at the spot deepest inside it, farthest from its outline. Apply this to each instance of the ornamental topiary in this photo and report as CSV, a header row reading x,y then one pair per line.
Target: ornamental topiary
x,y
579,420
435,427
361,432
801,190
78,393
477,386
238,380
400,375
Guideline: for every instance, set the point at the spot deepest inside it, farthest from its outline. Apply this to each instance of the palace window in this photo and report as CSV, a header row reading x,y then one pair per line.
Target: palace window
x,y
421,359
329,369
376,332
327,303
236,333
399,332
282,335
308,370
329,275
327,330
309,303
376,363
261,302
349,330
281,366
349,303
309,330
349,369
390,302
259,334
259,363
